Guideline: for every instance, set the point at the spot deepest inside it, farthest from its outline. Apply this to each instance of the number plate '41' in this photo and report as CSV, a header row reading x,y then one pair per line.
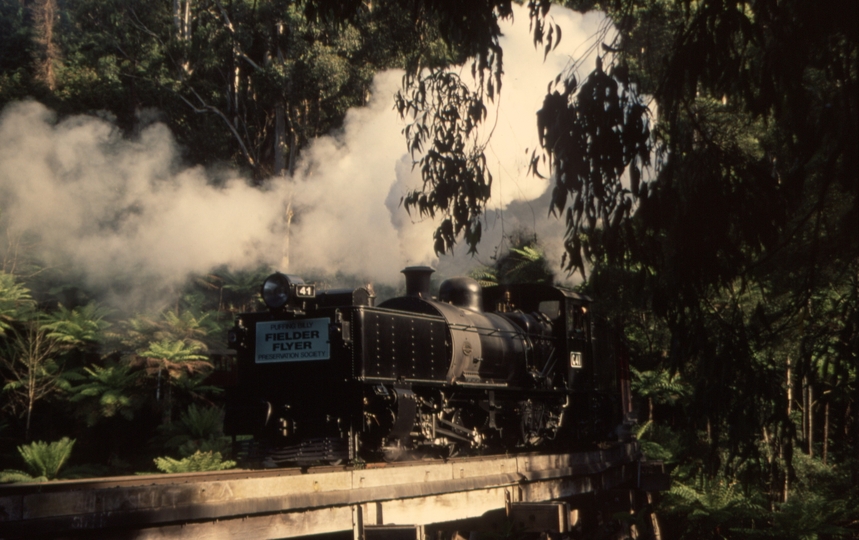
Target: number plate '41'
x,y
305,291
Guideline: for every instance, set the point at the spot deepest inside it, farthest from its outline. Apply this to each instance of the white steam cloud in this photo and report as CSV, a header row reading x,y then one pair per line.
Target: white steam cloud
x,y
106,205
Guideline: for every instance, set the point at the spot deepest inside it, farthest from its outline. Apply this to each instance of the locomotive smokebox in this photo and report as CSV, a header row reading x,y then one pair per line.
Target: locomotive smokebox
x,y
418,281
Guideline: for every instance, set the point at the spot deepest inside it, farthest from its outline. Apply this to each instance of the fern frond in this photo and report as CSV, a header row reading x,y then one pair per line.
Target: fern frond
x,y
200,461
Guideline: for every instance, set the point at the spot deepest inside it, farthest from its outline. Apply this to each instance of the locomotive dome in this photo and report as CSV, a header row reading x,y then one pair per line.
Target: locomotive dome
x,y
462,292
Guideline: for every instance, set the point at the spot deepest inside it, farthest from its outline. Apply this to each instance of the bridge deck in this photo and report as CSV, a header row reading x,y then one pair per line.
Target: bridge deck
x,y
271,505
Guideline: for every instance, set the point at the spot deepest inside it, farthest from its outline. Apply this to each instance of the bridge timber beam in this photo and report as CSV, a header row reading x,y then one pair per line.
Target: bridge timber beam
x,y
296,505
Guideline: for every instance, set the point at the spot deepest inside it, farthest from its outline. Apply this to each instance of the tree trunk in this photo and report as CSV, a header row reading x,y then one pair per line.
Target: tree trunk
x,y
804,391
293,153
279,140
234,92
177,19
167,406
771,444
181,32
810,421
786,472
182,19
186,25
789,389
27,428
825,431
295,121
44,15
287,218
31,399
279,113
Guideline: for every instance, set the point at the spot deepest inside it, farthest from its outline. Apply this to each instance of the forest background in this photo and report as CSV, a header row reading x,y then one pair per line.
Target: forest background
x,y
705,171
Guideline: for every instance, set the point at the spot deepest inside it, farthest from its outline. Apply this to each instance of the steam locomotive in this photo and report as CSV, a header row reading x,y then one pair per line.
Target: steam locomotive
x,y
328,377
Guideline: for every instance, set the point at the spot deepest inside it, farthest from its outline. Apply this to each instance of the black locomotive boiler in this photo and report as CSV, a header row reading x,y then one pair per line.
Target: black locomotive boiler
x,y
329,376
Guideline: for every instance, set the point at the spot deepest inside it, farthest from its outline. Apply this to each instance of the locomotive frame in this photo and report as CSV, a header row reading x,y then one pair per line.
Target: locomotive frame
x,y
332,377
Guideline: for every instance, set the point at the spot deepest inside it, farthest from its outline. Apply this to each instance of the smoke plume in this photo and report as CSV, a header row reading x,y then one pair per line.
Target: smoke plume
x,y
100,204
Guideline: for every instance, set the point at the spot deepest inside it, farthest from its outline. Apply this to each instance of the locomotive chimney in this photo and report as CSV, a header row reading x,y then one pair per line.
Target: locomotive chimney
x,y
418,280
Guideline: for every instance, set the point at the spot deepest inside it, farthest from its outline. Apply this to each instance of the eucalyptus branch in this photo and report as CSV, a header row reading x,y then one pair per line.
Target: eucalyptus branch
x,y
212,109
237,48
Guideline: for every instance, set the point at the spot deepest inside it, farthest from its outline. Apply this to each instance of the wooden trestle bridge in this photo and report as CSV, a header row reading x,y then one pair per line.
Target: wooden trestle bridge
x,y
415,500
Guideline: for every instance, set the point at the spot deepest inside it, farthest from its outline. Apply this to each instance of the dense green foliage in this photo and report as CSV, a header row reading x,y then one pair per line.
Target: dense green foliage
x,y
706,171
249,83
139,386
728,249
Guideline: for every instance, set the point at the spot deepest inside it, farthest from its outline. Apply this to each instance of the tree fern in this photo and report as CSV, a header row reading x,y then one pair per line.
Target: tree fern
x,y
199,462
659,442
79,326
197,429
16,302
809,516
711,507
10,476
109,391
187,327
44,461
485,276
659,385
525,262
174,357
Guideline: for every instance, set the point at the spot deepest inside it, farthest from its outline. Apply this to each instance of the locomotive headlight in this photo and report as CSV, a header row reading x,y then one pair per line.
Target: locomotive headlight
x,y
276,291
280,291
